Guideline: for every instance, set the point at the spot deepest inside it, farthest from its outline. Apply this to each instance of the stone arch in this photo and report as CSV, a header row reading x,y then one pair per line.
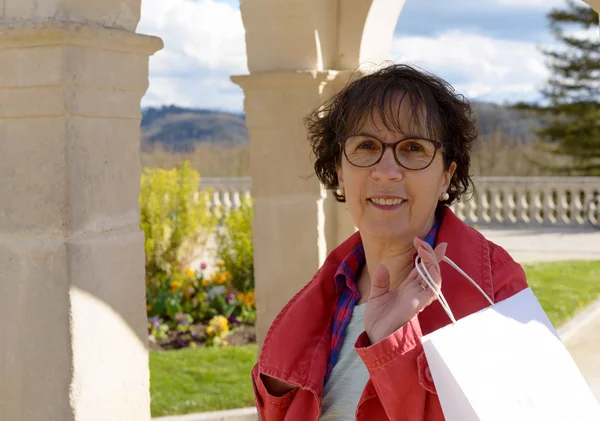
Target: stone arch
x,y
318,35
366,30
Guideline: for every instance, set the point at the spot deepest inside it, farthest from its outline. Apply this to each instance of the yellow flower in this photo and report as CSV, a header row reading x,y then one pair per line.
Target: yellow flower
x,y
209,330
205,282
221,323
191,273
175,285
240,297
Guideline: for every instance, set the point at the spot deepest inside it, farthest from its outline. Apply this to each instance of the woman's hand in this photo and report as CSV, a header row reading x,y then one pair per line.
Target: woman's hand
x,y
387,311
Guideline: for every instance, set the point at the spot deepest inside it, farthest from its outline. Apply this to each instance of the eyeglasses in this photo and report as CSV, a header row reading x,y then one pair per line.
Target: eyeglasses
x,y
411,153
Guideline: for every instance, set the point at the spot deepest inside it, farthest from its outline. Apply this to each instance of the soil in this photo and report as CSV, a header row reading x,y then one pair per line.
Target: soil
x,y
242,335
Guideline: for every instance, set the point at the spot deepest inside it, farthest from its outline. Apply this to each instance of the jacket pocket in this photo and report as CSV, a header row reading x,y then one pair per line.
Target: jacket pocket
x,y
425,377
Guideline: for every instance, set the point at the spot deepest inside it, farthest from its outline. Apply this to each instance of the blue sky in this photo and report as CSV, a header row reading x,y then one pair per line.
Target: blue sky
x,y
488,49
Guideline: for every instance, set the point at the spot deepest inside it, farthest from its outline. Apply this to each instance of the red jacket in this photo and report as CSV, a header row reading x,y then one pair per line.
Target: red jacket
x,y
297,347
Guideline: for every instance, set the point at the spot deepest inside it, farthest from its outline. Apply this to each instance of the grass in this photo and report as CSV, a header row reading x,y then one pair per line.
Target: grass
x,y
564,288
201,379
210,379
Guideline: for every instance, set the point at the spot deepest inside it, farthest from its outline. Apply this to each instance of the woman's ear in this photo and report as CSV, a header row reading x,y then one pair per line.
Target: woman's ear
x,y
448,174
340,176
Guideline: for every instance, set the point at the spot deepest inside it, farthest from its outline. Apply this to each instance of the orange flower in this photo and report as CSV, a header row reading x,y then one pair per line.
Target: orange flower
x,y
221,278
248,299
205,282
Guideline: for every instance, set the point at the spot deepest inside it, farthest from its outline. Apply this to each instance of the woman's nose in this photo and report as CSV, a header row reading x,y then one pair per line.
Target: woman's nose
x,y
387,167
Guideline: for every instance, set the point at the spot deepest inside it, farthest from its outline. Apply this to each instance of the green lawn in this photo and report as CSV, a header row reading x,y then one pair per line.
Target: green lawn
x,y
205,379
564,288
201,379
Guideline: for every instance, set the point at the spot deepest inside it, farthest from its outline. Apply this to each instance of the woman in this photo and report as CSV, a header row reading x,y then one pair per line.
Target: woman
x,y
395,146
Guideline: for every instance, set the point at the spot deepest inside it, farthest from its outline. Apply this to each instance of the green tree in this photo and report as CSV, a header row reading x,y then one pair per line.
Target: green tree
x,y
572,93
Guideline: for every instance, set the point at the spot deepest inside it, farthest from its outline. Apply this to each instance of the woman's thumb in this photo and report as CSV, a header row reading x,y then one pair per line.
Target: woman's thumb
x,y
380,284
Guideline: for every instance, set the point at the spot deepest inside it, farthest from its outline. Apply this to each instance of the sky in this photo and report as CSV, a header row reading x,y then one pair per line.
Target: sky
x,y
488,50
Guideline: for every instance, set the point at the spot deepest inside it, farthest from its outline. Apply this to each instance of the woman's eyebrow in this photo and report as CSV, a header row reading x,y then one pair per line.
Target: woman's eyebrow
x,y
365,134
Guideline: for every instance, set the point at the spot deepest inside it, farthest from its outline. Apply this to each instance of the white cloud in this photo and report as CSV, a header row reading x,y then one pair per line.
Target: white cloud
x,y
205,44
201,37
476,65
525,4
542,4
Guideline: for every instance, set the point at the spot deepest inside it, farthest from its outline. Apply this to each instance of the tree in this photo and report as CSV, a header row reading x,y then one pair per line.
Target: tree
x,y
572,93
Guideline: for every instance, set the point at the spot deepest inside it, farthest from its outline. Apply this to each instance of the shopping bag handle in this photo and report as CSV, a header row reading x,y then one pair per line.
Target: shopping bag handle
x,y
422,270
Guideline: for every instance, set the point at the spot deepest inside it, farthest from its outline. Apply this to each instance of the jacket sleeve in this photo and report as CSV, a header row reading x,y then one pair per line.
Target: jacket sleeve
x,y
394,371
270,408
509,279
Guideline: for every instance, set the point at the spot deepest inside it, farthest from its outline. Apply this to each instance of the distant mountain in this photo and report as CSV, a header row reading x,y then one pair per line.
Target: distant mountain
x,y
182,129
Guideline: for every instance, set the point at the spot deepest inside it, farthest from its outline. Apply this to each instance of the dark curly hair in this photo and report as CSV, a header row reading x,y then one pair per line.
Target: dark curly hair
x,y
436,109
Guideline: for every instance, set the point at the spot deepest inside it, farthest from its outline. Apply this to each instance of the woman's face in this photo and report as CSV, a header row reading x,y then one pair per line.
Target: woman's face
x,y
415,193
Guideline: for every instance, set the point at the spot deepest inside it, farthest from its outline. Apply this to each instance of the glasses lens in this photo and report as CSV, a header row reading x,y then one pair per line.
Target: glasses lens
x,y
362,151
415,154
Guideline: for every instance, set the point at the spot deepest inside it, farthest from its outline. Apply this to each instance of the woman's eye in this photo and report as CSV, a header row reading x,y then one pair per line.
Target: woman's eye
x,y
366,145
414,147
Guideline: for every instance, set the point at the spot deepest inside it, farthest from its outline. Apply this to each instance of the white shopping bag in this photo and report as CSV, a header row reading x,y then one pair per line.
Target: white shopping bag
x,y
505,363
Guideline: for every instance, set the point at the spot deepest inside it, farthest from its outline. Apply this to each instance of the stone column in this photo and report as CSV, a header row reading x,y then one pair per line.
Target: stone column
x,y
72,295
294,224
299,54
595,4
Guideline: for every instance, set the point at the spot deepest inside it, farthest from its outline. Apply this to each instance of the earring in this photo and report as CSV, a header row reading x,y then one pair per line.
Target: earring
x,y
444,196
340,191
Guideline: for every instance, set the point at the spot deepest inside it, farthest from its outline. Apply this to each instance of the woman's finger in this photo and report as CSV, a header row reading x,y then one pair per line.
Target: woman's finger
x,y
440,251
380,284
424,299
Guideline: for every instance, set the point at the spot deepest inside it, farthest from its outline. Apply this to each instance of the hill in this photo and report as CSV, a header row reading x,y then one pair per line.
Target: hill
x,y
182,129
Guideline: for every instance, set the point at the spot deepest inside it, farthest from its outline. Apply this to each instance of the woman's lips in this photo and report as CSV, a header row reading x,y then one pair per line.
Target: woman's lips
x,y
387,203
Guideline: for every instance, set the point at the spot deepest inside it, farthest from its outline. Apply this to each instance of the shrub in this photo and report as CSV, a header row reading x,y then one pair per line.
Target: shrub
x,y
175,220
234,245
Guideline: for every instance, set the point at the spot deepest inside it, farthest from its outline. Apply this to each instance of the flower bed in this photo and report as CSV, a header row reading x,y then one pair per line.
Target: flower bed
x,y
194,309
187,307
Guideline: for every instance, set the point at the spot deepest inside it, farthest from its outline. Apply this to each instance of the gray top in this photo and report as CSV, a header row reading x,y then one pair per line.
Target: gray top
x,y
349,376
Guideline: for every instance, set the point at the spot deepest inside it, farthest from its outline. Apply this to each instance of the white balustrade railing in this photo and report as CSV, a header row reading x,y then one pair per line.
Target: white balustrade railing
x,y
547,201
226,192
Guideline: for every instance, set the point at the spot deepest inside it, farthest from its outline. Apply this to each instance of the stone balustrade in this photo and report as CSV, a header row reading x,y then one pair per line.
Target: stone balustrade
x,y
546,201
226,192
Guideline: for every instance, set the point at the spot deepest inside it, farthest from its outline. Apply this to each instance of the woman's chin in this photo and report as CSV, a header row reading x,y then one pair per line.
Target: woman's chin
x,y
385,231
